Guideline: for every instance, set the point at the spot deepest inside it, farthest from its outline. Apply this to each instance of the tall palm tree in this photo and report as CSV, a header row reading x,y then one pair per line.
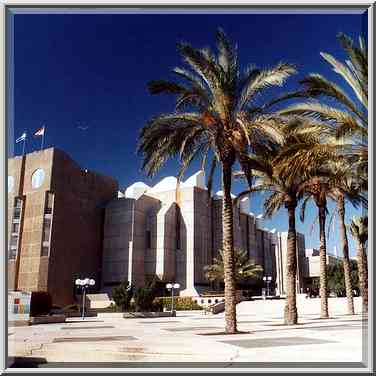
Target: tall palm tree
x,y
214,114
350,117
345,186
359,231
245,268
317,189
277,173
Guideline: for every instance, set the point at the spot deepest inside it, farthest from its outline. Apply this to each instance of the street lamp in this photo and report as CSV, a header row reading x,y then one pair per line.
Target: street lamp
x,y
267,279
84,284
172,286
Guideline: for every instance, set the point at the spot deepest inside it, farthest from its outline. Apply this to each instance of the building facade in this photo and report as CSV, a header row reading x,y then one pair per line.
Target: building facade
x,y
55,223
173,234
65,222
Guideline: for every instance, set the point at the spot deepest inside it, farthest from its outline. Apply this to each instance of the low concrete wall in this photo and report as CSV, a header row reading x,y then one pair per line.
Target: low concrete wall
x,y
48,319
18,323
78,314
131,315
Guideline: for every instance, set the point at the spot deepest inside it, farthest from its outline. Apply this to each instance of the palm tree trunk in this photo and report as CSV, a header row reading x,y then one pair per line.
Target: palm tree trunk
x,y
323,273
228,249
363,275
291,312
346,258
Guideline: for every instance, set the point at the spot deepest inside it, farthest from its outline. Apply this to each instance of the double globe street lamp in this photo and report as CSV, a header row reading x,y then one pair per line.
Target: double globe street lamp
x,y
172,286
267,279
84,284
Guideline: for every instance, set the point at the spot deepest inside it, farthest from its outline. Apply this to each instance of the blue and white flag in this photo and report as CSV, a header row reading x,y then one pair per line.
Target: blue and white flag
x,y
21,138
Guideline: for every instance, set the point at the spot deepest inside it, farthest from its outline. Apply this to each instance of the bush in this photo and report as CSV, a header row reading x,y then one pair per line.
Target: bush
x,y
181,303
112,308
143,299
122,295
40,303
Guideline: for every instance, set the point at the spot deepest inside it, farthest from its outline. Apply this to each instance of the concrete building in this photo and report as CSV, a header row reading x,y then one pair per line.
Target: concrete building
x,y
55,223
172,234
313,264
65,222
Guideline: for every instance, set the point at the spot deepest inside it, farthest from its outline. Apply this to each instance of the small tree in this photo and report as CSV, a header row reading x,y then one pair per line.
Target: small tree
x,y
144,297
122,295
245,268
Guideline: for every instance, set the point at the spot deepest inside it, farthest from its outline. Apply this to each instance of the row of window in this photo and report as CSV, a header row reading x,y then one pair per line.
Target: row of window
x,y
15,226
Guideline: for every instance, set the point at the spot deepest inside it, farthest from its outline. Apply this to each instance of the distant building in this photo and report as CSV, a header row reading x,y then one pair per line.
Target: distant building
x,y
55,222
313,264
161,232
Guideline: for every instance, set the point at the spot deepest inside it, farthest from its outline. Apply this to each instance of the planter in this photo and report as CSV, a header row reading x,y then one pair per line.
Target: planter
x,y
78,314
134,315
48,319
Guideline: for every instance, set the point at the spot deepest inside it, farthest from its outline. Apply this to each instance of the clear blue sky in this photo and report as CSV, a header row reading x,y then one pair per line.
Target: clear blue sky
x,y
92,71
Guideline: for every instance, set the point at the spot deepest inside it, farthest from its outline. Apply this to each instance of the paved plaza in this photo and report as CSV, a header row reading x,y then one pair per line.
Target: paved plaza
x,y
196,337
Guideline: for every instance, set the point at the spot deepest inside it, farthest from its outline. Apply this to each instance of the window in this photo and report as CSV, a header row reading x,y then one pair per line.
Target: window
x,y
10,184
209,301
37,178
216,300
49,203
45,249
17,208
15,227
13,241
46,229
12,253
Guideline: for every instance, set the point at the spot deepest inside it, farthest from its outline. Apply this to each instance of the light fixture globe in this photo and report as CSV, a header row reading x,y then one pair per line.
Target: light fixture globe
x,y
176,285
169,286
91,282
77,282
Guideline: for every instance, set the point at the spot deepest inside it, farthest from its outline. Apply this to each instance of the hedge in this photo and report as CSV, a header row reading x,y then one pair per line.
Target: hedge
x,y
181,303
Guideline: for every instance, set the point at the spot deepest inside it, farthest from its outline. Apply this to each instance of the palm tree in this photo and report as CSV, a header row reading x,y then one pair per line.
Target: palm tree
x,y
346,187
277,173
359,231
349,117
317,189
214,115
245,268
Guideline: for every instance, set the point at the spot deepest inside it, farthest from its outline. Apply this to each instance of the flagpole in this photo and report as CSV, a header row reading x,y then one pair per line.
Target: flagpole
x,y
41,146
23,148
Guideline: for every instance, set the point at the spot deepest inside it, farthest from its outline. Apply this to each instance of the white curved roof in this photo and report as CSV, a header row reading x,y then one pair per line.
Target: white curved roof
x,y
219,195
244,205
136,190
166,184
196,180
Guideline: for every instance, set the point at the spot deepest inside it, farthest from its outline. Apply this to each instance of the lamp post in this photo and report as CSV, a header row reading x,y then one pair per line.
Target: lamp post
x,y
84,284
172,286
267,279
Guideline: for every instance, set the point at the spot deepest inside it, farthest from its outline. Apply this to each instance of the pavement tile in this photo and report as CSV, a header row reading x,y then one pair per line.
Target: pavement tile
x,y
275,342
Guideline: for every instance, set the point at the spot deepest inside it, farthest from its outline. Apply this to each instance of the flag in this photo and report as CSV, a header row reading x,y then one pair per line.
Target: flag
x,y
21,138
39,132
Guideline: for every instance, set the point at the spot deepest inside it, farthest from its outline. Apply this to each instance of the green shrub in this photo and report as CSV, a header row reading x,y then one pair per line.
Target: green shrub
x,y
110,309
181,303
40,303
143,299
122,296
